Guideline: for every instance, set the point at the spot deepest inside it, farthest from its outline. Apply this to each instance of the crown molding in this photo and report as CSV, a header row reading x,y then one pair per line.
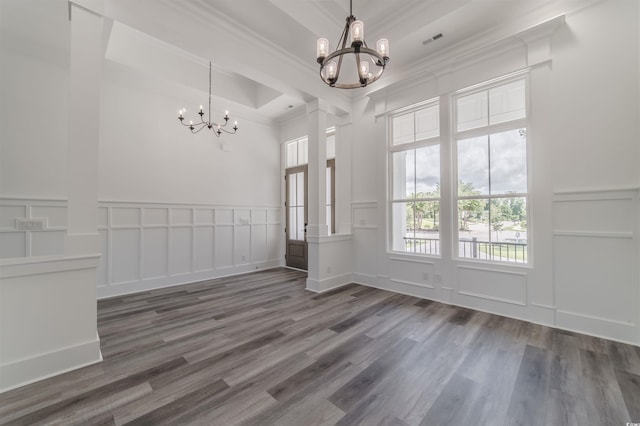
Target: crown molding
x,y
467,53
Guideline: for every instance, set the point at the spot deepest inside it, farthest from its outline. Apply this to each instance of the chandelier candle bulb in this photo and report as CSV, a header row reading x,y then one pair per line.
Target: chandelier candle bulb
x,y
322,48
364,71
357,33
331,70
382,46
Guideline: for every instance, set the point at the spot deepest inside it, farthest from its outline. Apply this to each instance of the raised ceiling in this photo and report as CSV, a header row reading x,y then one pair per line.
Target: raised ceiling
x,y
264,50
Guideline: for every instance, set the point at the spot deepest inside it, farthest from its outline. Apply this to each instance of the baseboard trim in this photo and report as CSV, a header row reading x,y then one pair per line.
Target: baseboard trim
x,y
130,287
34,369
328,284
598,327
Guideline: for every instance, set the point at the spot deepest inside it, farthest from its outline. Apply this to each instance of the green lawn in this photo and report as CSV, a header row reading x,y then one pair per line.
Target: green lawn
x,y
517,256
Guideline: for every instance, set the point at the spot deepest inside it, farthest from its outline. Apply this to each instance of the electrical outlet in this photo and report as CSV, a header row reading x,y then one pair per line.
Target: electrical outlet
x,y
328,269
30,224
425,276
438,277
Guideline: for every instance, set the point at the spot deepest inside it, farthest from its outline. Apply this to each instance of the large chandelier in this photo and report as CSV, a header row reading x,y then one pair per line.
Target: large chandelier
x,y
363,55
217,128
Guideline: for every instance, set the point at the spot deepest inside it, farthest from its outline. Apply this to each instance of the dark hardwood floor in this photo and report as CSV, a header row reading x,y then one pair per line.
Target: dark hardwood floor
x,y
258,349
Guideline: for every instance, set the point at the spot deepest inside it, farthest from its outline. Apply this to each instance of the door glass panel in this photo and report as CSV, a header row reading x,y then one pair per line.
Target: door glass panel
x,y
292,223
300,189
296,207
300,223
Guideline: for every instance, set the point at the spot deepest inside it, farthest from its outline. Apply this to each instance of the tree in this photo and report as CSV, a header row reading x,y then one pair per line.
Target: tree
x,y
467,208
500,211
433,207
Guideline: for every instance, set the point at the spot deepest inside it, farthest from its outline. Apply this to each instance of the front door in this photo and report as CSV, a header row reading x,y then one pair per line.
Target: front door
x,y
296,207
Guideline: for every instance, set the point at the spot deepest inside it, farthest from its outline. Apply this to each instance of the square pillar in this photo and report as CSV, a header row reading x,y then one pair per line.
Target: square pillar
x,y
317,182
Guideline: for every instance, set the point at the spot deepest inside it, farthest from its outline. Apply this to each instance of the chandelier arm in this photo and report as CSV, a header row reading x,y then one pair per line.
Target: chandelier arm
x,y
379,61
343,38
229,131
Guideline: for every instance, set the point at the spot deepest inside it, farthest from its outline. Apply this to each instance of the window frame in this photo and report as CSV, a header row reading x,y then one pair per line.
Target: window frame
x,y
488,130
411,146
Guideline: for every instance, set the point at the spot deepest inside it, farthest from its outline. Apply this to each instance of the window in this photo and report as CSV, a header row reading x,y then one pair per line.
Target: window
x,y
297,152
492,186
415,179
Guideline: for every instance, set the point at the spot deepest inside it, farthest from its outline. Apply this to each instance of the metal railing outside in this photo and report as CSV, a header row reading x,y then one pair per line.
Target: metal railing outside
x,y
472,248
422,245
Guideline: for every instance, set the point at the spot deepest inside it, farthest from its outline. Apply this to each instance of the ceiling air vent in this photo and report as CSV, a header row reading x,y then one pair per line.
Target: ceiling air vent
x,y
434,38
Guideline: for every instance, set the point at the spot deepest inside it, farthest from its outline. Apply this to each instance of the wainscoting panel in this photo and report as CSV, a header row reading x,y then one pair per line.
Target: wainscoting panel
x,y
125,217
258,243
595,247
56,215
596,280
151,245
224,246
9,213
156,217
500,286
125,255
204,246
204,216
242,245
14,244
181,253
47,243
155,252
365,214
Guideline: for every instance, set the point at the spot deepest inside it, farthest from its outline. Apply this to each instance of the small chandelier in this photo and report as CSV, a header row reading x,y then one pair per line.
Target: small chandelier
x,y
217,128
364,56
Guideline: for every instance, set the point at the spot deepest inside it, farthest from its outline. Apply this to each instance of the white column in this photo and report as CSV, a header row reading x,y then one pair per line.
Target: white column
x,y
343,176
317,182
84,132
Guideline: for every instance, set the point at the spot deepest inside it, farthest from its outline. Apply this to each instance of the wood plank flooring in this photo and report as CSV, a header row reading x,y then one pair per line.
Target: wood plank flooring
x,y
258,349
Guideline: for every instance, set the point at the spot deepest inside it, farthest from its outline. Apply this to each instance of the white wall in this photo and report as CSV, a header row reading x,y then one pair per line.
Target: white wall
x,y
584,220
156,159
595,98
34,98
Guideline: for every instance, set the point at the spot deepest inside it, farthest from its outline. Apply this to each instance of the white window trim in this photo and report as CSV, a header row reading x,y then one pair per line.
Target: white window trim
x,y
483,131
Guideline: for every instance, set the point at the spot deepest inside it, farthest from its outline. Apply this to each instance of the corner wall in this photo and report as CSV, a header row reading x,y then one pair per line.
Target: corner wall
x,y
584,183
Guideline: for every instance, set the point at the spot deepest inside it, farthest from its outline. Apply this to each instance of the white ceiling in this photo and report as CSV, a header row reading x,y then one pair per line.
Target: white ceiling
x,y
264,50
